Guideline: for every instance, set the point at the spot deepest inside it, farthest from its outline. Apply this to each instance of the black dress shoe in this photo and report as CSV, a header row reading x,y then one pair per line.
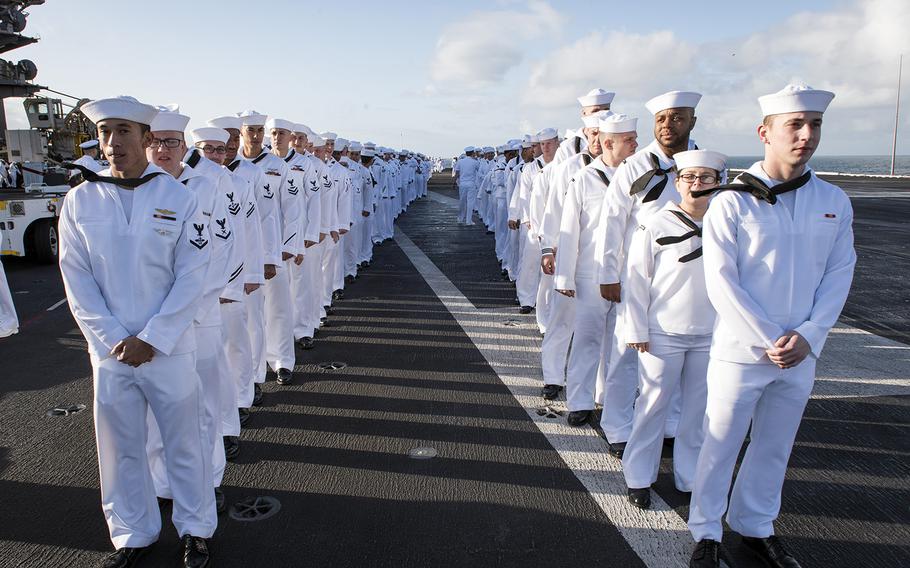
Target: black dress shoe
x,y
219,500
257,394
231,447
616,450
284,376
195,552
641,498
124,557
324,319
244,415
578,417
669,442
550,392
707,554
306,343
329,310
771,550
338,295
164,502
525,310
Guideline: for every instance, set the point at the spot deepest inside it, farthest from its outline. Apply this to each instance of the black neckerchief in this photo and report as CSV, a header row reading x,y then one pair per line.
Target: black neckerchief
x,y
233,165
260,157
194,158
758,188
290,155
642,182
131,183
694,232
586,158
577,144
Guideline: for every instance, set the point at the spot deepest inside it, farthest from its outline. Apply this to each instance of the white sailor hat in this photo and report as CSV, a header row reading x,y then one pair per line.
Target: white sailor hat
x,y
340,143
795,98
302,129
673,99
500,149
169,120
468,149
368,153
123,107
547,134
280,123
700,159
614,123
515,146
488,149
88,144
210,133
318,141
252,118
226,122
356,146
328,135
596,97
590,121
371,145
527,141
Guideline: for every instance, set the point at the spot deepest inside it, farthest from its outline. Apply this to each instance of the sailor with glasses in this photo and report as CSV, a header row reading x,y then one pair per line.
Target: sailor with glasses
x,y
643,184
668,319
207,156
218,389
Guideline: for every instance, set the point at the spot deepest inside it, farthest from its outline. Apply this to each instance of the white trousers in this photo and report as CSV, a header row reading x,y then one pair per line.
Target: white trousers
x,y
529,272
389,225
366,239
255,321
171,388
546,289
307,292
673,363
554,350
466,203
239,361
329,265
773,400
594,319
212,370
620,388
501,226
338,280
279,319
352,242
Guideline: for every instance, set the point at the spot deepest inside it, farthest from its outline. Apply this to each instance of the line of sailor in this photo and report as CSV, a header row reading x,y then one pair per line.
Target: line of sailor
x,y
191,269
688,324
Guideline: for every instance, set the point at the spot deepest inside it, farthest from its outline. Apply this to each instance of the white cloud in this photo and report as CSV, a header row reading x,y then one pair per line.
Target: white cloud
x,y
480,49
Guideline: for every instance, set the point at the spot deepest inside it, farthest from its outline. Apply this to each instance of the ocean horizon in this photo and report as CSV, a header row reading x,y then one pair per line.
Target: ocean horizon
x,y
871,165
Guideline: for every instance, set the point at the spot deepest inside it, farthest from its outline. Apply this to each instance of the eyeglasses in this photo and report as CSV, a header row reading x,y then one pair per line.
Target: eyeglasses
x,y
209,149
166,142
704,178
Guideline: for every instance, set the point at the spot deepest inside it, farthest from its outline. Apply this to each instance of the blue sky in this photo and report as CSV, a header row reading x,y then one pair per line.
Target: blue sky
x,y
438,76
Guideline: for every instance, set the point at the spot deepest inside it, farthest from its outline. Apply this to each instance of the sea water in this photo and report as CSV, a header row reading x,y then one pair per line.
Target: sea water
x,y
875,165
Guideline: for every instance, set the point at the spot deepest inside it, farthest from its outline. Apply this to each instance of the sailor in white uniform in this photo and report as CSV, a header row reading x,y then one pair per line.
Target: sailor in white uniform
x,y
303,280
576,263
780,257
212,147
134,250
560,323
668,319
465,172
221,283
642,185
528,258
257,268
537,204
89,157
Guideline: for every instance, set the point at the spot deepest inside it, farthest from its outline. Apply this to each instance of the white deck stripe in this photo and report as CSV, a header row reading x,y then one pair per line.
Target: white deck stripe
x,y
659,536
57,305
